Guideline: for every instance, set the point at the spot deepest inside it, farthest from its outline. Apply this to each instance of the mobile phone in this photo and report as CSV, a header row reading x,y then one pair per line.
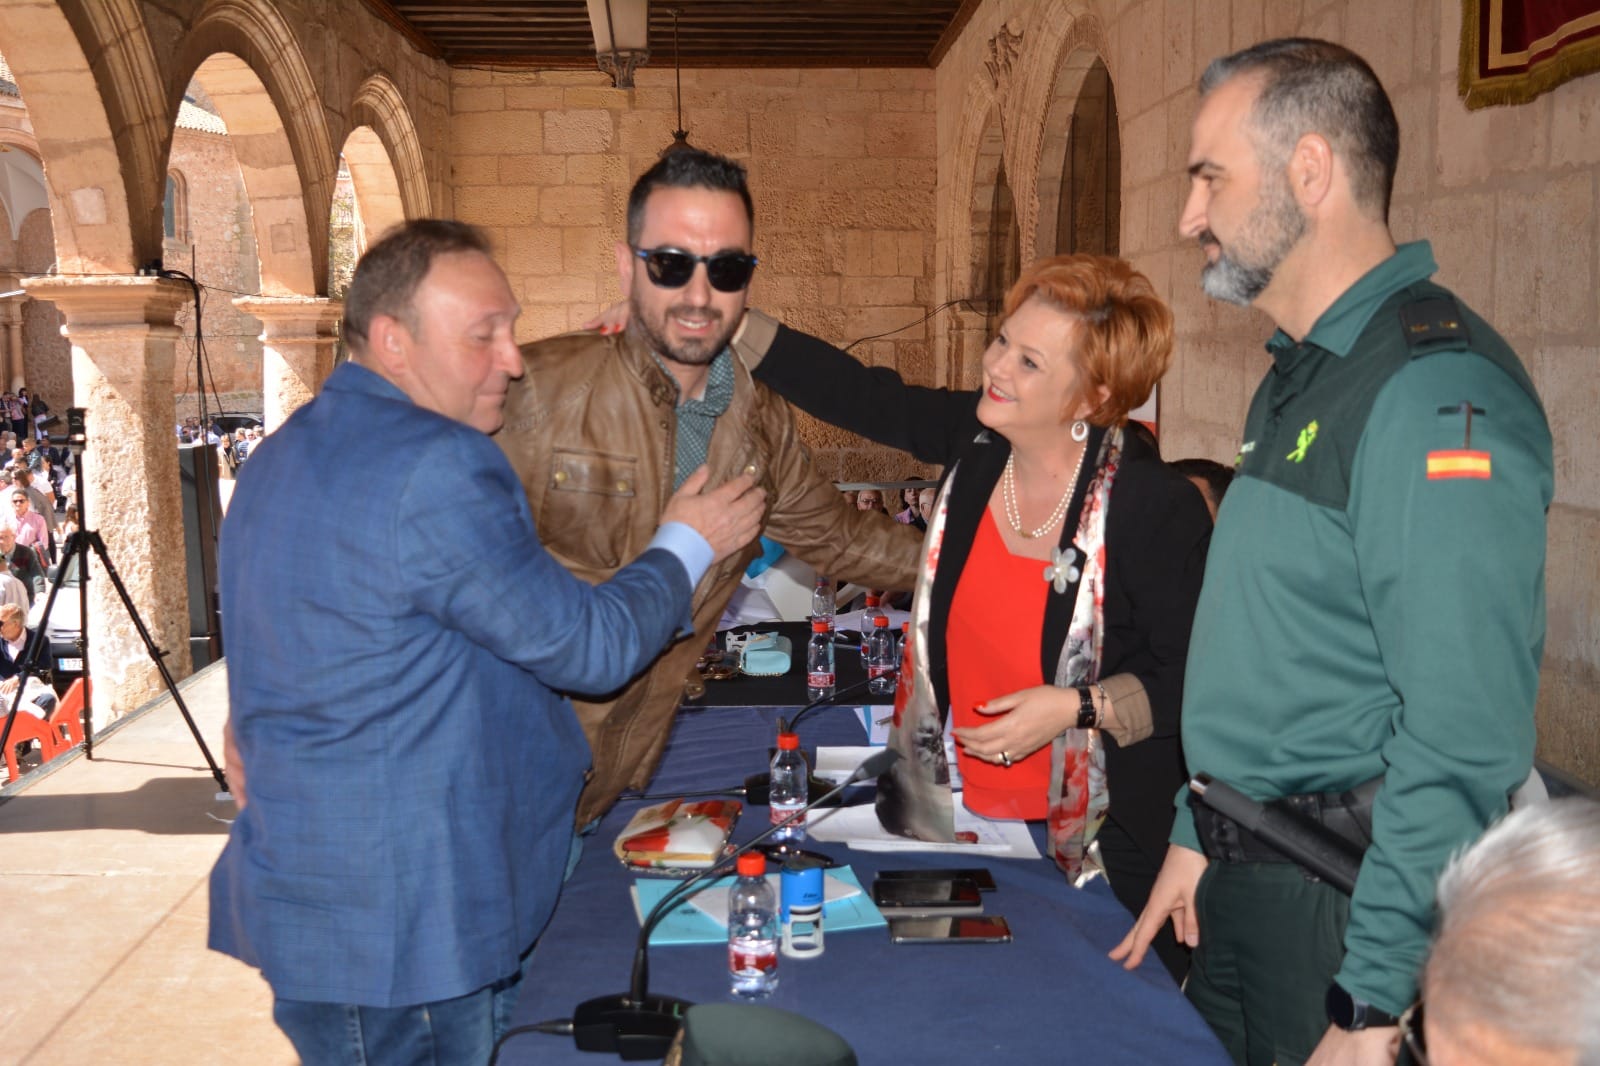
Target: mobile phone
x,y
976,929
978,875
953,896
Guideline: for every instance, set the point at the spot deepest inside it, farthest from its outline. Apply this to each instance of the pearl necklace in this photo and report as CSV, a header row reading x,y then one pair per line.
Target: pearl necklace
x,y
1014,516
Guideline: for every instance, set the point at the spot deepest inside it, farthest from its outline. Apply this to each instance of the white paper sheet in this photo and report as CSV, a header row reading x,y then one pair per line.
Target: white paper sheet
x,y
858,827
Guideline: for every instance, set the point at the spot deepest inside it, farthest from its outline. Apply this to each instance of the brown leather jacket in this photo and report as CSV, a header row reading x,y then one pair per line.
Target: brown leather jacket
x,y
589,429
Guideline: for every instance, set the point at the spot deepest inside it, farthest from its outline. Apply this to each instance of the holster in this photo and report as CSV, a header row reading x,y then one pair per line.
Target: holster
x,y
1347,815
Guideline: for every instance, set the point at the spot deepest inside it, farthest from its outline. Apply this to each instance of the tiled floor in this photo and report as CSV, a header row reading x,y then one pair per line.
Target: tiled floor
x,y
103,871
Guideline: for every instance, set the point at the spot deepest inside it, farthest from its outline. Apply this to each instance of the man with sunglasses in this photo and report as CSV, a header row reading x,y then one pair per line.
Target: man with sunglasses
x,y
604,426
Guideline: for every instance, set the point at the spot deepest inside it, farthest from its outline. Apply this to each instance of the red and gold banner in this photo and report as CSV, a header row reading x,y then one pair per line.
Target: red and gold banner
x,y
1513,50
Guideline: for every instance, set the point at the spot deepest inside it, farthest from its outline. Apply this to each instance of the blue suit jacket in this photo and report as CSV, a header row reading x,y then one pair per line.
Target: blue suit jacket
x,y
395,650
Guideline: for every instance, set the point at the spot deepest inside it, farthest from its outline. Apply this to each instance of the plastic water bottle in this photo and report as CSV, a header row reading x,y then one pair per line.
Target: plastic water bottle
x,y
904,643
752,930
882,666
820,674
822,601
871,611
788,790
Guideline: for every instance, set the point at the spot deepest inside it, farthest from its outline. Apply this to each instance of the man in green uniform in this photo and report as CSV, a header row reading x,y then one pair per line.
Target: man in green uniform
x,y
1373,604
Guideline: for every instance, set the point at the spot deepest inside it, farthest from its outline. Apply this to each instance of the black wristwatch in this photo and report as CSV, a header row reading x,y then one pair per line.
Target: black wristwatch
x,y
1350,1013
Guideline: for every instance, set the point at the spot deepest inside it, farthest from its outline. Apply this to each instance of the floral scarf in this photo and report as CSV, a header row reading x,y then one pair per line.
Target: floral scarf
x,y
914,795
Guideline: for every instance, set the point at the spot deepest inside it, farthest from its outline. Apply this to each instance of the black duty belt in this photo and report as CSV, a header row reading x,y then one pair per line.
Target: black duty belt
x,y
1346,815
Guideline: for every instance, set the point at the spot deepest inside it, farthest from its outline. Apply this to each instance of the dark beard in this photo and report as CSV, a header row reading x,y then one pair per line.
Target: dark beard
x,y
1274,228
688,353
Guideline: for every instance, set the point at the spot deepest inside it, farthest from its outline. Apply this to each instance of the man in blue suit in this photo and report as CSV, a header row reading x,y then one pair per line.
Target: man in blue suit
x,y
396,659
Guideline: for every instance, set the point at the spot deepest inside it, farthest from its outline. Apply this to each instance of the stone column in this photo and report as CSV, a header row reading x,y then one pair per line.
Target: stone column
x,y
966,337
11,344
123,353
297,341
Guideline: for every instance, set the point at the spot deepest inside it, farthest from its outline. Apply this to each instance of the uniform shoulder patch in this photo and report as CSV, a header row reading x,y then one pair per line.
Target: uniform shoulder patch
x,y
1431,323
1458,463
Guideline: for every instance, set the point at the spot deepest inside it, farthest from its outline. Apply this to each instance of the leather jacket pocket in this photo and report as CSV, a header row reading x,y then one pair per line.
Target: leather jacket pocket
x,y
588,506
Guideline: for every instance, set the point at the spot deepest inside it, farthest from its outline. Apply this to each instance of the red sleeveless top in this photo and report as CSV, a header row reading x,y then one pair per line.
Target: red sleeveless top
x,y
992,647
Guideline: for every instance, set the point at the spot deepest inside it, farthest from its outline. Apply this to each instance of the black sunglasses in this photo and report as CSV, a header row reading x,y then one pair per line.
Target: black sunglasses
x,y
671,269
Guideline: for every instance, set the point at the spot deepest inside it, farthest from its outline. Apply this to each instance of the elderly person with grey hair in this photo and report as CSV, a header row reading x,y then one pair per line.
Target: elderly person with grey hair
x,y
1514,974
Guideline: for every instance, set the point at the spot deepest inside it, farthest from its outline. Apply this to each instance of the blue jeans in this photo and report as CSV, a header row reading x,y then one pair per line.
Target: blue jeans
x,y
452,1032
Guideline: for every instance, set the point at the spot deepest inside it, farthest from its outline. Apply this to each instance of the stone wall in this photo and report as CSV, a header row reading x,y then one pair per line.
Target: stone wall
x,y
1510,198
46,358
841,168
216,244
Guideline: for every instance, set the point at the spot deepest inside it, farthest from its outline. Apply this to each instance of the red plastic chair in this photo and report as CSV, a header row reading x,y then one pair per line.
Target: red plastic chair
x,y
27,727
67,718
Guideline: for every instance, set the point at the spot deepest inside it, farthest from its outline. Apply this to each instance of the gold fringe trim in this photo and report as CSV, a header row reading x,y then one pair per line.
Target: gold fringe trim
x,y
1501,90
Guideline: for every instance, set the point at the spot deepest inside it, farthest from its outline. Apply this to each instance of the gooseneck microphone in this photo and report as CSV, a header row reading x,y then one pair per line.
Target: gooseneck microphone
x,y
637,1025
758,787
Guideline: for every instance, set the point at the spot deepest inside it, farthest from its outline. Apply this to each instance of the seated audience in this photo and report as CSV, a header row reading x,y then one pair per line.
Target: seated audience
x,y
24,565
869,500
27,524
1209,476
912,515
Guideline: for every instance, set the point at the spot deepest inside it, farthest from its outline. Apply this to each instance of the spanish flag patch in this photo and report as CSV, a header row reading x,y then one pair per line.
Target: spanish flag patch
x,y
1457,463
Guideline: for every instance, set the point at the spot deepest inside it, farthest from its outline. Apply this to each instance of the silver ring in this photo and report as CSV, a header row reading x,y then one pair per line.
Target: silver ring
x,y
1005,760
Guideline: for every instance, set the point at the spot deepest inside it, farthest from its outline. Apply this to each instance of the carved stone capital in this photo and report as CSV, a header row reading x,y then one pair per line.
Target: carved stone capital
x,y
1002,50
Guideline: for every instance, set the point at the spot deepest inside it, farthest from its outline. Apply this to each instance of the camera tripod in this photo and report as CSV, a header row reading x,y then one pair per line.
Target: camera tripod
x,y
76,552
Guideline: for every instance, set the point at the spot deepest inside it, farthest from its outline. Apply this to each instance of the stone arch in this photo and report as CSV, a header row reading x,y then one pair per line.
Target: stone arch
x,y
379,203
175,206
23,173
379,105
84,69
1079,186
996,241
978,158
1064,41
248,61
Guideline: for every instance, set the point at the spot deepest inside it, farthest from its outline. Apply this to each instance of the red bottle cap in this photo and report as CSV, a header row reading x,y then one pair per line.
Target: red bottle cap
x,y
788,741
905,627
752,864
819,625
880,620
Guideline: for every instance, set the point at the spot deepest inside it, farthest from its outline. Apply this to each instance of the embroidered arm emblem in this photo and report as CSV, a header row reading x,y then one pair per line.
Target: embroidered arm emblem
x,y
1303,443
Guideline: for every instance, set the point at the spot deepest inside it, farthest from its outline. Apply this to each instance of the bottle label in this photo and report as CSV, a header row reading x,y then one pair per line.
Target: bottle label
x,y
780,811
879,669
757,955
818,679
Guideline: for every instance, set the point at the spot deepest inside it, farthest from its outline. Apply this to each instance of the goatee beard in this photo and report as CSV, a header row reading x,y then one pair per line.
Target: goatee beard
x,y
688,353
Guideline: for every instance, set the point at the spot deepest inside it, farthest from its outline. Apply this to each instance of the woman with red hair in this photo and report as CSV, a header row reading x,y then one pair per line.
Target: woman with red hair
x,y
1064,562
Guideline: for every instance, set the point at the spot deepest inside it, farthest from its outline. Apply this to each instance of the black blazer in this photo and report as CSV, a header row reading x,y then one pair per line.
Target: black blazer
x,y
10,667
1157,534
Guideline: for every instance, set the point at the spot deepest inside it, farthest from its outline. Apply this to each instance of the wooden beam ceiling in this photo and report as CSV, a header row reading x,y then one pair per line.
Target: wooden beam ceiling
x,y
711,33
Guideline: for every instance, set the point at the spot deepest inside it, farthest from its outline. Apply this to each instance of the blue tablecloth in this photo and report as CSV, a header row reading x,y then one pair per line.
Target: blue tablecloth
x,y
1049,996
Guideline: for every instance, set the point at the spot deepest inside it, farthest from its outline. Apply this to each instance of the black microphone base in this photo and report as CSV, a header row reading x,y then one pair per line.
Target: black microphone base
x,y
634,1030
758,790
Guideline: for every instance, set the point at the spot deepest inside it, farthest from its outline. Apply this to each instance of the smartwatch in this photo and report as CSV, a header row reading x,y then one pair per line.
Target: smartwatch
x,y
1350,1013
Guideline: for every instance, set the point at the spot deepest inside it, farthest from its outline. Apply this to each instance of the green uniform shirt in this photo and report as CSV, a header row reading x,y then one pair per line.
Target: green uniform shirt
x,y
1372,603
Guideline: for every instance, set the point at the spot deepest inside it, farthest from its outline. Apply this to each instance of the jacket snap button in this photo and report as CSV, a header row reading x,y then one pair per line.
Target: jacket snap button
x,y
750,469
622,486
560,477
